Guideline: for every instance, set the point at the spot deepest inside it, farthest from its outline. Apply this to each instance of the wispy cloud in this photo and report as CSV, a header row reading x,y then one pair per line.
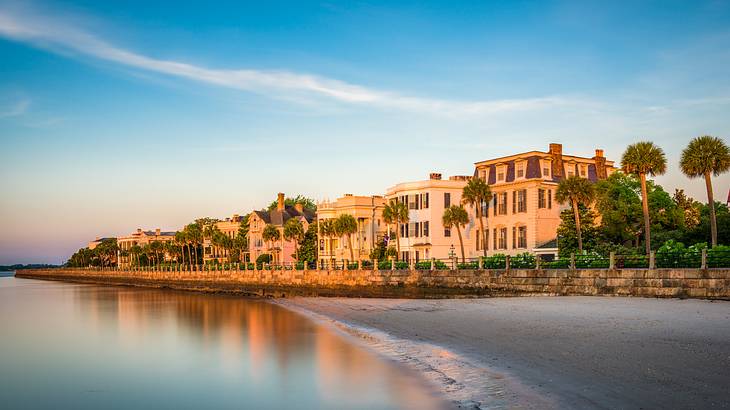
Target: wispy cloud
x,y
15,109
62,35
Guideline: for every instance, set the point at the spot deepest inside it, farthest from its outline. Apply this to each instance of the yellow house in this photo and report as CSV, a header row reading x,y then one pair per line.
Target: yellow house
x,y
139,238
367,211
228,227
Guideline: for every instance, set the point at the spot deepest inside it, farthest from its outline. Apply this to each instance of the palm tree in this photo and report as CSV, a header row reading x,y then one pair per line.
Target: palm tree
x,y
576,191
294,231
156,247
396,212
641,159
346,224
194,233
703,157
271,234
135,251
181,240
457,217
477,193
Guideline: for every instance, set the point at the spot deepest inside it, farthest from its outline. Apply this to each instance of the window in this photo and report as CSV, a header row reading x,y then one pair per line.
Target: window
x,y
412,201
447,232
583,170
447,199
570,170
520,169
503,238
424,201
546,169
477,239
514,202
494,239
413,229
425,228
483,174
550,198
514,237
482,242
522,200
502,203
494,201
321,245
522,237
501,171
541,198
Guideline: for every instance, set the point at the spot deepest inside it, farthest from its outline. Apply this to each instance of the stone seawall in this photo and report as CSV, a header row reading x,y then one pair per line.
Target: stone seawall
x,y
692,283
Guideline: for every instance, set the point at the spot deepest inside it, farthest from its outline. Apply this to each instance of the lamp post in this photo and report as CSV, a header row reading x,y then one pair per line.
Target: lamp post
x,y
452,254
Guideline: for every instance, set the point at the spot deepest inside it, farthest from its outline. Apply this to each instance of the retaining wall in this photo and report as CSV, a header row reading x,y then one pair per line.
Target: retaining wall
x,y
693,283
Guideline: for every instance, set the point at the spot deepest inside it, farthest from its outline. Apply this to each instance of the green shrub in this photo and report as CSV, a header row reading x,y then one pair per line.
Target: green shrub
x,y
467,265
496,261
561,263
384,265
718,257
523,260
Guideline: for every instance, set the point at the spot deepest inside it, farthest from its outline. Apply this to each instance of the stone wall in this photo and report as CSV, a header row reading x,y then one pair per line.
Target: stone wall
x,y
694,283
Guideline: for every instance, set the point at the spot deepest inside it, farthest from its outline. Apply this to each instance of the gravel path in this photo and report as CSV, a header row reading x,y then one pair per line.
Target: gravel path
x,y
573,352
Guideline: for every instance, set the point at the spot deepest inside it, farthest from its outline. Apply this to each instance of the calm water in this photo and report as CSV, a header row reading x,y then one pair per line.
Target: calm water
x,y
82,346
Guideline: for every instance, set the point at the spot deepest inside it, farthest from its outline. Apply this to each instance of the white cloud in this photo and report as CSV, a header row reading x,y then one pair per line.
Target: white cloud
x,y
15,109
62,35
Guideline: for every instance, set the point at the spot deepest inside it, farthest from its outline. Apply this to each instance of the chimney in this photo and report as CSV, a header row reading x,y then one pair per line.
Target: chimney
x,y
556,154
299,207
434,176
157,232
280,203
600,162
139,230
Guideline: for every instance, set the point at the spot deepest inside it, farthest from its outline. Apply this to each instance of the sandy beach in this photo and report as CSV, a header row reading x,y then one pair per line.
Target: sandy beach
x,y
550,352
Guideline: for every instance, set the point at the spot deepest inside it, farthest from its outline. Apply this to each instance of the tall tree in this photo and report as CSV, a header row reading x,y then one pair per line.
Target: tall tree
x,y
294,231
642,159
477,194
194,233
704,157
346,225
181,241
326,229
456,216
241,239
271,234
577,191
396,213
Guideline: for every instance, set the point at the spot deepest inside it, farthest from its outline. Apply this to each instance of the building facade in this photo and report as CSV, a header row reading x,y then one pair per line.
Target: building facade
x,y
229,227
139,238
523,215
367,211
281,251
424,236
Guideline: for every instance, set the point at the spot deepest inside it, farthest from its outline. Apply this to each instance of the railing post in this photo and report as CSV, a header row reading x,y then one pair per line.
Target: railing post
x,y
704,259
652,260
392,264
359,264
375,265
612,260
412,264
433,264
453,263
572,260
507,263
538,261
480,262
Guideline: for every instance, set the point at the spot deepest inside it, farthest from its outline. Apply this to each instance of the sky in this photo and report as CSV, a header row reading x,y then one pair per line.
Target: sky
x,y
117,116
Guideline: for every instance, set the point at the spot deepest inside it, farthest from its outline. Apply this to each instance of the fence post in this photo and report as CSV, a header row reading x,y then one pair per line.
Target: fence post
x,y
304,267
612,260
507,262
538,259
392,264
480,262
704,259
572,260
359,264
433,264
412,264
375,265
652,260
453,263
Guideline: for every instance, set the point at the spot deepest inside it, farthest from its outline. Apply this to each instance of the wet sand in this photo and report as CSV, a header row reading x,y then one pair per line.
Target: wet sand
x,y
559,352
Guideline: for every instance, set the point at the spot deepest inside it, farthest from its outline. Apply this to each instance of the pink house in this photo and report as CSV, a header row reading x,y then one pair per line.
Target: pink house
x,y
282,251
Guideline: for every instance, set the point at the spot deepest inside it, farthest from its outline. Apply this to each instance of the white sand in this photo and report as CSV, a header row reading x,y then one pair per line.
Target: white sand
x,y
559,352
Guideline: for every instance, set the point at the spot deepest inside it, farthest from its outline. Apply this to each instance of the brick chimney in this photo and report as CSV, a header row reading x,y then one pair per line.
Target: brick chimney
x,y
157,232
600,162
556,154
434,176
299,207
280,203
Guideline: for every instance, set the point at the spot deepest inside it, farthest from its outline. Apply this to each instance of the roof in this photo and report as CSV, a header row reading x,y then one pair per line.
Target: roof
x,y
277,217
533,169
153,233
552,244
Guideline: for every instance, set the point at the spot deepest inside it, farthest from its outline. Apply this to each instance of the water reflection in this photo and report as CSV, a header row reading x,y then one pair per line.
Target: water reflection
x,y
88,347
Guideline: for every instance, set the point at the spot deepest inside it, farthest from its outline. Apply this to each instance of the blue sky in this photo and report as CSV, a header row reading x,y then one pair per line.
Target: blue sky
x,y
118,116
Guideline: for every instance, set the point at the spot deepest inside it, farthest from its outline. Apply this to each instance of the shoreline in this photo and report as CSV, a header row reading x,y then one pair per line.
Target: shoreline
x,y
460,381
542,352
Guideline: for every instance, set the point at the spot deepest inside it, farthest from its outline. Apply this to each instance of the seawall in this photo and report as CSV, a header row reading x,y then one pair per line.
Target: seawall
x,y
682,283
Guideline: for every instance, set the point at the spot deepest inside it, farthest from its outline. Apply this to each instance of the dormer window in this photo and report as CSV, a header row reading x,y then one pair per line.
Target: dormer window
x,y
520,169
570,170
483,174
546,169
583,170
501,172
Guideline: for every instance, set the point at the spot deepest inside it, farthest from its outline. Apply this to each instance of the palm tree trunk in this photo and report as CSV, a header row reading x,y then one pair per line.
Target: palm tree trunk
x,y
578,230
481,229
461,243
645,208
349,242
397,241
711,204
